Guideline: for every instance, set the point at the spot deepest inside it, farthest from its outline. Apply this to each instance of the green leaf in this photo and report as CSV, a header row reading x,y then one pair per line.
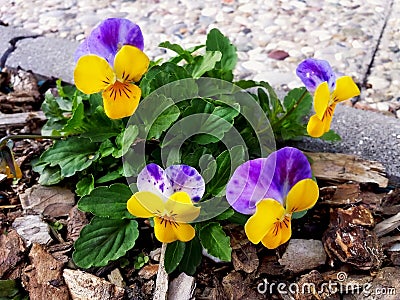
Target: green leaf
x,y
99,127
163,121
106,148
75,123
85,186
238,218
182,53
65,91
192,257
173,255
331,136
217,184
50,175
159,76
110,176
104,240
275,102
219,122
107,201
264,102
10,289
298,104
216,41
124,140
213,121
51,108
299,214
215,241
205,63
72,155
225,215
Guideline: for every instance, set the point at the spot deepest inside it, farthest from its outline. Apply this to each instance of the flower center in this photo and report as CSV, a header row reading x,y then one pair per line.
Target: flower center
x,y
280,223
167,217
119,88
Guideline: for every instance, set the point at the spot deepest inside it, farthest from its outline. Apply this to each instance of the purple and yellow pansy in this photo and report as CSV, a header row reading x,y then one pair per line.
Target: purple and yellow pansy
x,y
168,196
111,60
272,189
328,90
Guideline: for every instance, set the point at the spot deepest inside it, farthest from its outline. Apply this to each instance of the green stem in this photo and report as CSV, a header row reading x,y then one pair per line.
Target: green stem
x,y
302,97
3,140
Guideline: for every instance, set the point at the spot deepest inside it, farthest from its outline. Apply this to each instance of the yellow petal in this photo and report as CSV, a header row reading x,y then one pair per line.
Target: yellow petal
x,y
181,207
327,119
268,211
167,231
121,100
163,230
18,173
184,232
145,205
345,89
181,197
279,234
93,74
322,96
130,64
303,195
315,127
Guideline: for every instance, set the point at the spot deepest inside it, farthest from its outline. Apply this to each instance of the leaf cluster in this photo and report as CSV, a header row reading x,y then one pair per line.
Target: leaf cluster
x,y
90,153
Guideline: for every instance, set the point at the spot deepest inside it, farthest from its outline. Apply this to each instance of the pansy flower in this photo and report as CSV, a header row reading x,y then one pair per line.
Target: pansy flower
x,y
111,60
168,196
320,80
272,189
8,165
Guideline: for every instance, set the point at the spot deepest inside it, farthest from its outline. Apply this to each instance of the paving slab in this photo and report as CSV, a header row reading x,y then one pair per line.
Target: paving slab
x,y
371,135
9,33
45,56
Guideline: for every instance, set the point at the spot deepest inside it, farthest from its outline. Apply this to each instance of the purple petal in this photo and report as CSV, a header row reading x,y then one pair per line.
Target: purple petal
x,y
153,179
249,184
106,39
270,177
186,179
291,167
313,72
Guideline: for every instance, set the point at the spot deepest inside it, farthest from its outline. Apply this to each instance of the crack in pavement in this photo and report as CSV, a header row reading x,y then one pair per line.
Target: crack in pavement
x,y
13,46
379,39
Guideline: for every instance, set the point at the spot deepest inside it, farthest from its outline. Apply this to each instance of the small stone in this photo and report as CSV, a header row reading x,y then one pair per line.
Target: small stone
x,y
247,8
83,285
278,54
116,278
301,255
378,83
32,229
254,65
148,271
382,106
209,11
48,200
181,287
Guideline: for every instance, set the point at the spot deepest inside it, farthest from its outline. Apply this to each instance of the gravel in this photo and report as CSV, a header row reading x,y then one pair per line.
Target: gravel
x,y
345,32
